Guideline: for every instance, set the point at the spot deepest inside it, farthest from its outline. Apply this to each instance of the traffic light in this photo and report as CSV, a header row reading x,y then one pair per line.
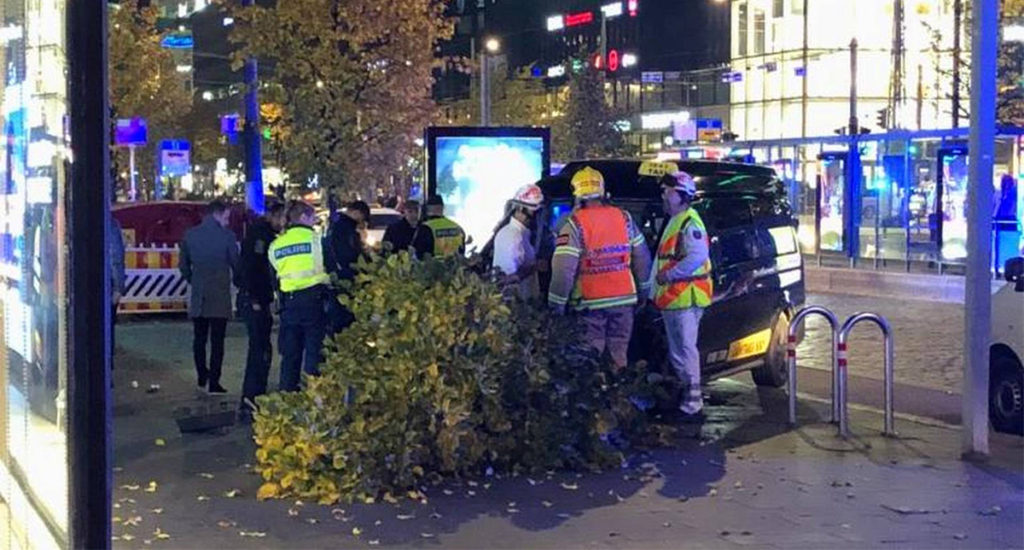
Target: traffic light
x,y
883,118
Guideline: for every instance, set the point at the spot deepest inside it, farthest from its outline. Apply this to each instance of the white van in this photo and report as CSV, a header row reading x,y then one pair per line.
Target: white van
x,y
1006,356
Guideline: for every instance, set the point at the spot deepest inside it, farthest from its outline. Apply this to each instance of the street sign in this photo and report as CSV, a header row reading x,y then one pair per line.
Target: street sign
x,y
652,77
130,131
673,76
732,77
174,157
709,129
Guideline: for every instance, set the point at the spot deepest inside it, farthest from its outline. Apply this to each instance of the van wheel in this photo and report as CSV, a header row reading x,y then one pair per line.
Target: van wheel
x,y
774,373
1006,394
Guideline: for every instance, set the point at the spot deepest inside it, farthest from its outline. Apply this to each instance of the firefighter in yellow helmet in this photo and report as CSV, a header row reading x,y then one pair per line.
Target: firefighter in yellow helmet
x,y
600,268
683,286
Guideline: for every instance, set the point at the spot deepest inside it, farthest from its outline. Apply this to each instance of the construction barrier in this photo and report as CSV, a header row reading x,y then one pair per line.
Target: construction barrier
x,y
153,283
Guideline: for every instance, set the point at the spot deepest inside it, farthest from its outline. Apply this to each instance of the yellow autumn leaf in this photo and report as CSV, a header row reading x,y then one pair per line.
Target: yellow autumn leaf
x,y
160,442
268,490
356,531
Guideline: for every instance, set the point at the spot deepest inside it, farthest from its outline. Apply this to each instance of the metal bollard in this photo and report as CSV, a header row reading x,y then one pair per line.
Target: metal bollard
x,y
844,334
794,325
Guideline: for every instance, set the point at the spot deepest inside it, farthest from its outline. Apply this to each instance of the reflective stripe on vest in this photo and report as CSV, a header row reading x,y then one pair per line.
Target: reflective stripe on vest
x,y
696,289
448,236
605,278
298,258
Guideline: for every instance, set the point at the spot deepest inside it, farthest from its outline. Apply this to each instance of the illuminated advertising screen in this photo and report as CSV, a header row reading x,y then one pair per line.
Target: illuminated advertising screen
x,y
477,170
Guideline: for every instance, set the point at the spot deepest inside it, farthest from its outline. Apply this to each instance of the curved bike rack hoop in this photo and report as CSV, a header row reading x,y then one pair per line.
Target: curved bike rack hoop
x,y
844,334
794,325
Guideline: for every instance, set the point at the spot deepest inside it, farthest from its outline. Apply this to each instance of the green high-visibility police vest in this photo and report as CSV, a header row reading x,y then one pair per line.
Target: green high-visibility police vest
x,y
449,238
297,256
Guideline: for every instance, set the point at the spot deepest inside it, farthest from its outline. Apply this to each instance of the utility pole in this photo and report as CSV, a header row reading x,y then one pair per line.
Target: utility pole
x,y
251,136
978,290
958,15
854,126
803,95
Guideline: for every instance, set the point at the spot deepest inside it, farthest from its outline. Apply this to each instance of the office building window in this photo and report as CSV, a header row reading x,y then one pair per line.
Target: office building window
x,y
742,37
777,8
796,7
758,32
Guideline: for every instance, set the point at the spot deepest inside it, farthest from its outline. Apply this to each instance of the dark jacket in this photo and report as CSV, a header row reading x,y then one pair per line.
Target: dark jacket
x,y
342,248
115,253
254,275
209,253
399,235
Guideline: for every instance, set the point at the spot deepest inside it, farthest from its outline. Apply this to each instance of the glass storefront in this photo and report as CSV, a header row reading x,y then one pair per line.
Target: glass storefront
x,y
35,298
903,202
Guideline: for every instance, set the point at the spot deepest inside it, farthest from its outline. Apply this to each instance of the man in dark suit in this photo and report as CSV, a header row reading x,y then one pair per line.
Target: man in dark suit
x,y
399,235
209,254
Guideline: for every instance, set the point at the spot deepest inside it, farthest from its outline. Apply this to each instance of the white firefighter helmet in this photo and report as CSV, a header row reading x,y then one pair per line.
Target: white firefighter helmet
x,y
681,182
529,197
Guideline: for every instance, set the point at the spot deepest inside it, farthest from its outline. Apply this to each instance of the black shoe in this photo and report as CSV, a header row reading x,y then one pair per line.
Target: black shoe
x,y
201,383
216,388
695,419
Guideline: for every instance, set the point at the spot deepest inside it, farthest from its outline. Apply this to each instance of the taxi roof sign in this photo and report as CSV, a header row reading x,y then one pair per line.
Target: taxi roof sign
x,y
657,169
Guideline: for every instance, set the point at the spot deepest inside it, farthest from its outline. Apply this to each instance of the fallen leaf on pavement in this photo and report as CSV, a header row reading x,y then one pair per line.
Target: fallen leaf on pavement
x,y
159,442
960,536
118,469
666,524
337,512
448,492
205,475
312,521
234,493
564,515
202,498
570,486
134,521
374,542
546,504
471,493
404,517
130,487
224,524
157,510
356,531
151,488
435,515
160,535
377,523
292,512
513,511
532,482
427,535
472,483
993,511
713,492
127,537
252,534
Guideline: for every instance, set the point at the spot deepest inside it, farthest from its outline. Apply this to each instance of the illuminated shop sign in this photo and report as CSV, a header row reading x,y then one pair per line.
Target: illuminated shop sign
x,y
581,18
556,23
612,10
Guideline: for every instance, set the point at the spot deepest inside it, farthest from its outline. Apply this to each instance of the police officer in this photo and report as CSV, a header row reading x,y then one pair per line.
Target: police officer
x,y
298,259
600,260
438,235
515,255
683,286
256,283
343,246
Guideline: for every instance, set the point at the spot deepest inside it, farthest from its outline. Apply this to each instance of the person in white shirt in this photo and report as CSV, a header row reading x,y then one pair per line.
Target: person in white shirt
x,y
515,257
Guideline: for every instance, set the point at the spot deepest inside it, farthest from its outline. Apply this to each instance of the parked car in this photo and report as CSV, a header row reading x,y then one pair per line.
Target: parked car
x,y
757,266
380,219
1006,356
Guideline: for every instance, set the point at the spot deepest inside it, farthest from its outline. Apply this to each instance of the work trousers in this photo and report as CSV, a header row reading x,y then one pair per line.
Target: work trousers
x,y
301,335
609,329
212,330
681,329
257,362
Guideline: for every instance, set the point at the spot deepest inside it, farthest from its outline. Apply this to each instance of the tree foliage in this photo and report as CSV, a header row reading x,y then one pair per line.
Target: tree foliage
x,y
442,377
353,78
143,81
1010,64
588,127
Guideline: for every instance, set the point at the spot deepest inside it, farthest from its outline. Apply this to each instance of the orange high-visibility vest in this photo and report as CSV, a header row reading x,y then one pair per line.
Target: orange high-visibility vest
x,y
605,277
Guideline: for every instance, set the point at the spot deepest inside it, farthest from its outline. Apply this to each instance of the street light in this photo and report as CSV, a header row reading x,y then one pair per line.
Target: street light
x,y
491,46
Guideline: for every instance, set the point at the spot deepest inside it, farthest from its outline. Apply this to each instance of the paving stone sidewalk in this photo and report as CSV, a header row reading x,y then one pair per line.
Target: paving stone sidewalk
x,y
751,482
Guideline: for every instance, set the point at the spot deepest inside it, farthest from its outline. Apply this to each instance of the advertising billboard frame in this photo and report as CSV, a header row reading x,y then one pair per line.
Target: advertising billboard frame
x,y
432,133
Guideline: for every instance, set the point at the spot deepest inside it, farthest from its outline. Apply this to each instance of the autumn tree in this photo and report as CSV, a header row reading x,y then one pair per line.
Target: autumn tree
x,y
143,81
589,126
354,79
517,99
1010,64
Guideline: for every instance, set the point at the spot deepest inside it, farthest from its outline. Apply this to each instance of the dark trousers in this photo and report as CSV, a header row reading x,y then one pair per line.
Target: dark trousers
x,y
206,328
339,317
301,335
257,361
113,325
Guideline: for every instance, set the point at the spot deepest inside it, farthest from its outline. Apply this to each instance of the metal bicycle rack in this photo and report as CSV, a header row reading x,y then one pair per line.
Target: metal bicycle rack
x,y
794,326
844,334
840,337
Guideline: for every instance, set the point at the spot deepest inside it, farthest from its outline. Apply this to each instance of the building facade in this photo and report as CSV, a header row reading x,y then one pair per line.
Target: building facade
x,y
790,68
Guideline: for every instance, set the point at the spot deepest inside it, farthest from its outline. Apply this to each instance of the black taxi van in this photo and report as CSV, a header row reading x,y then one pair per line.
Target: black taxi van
x,y
756,262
